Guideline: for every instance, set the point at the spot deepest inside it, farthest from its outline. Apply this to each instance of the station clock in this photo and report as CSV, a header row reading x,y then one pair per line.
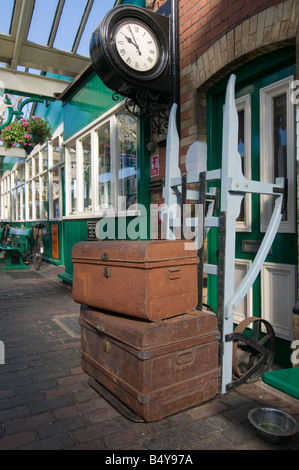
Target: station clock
x,y
129,51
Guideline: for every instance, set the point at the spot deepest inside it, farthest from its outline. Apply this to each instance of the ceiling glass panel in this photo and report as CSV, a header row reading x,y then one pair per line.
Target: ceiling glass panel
x,y
98,11
5,16
69,23
42,20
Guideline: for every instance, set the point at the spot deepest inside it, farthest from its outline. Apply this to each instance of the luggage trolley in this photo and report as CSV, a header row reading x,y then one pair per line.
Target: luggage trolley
x,y
234,186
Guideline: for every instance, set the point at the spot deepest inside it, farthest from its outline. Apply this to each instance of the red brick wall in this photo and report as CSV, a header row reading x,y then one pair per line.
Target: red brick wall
x,y
203,22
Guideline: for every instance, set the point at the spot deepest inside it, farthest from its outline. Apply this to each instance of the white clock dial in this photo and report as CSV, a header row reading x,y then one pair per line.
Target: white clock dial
x,y
137,46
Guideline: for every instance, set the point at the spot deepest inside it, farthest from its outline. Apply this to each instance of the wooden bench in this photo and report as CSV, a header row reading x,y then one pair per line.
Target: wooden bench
x,y
16,245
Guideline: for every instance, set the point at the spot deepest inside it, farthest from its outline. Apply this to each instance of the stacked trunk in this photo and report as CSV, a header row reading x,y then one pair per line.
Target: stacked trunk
x,y
141,335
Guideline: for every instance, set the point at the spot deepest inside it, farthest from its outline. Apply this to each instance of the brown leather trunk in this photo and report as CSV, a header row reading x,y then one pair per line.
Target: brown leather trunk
x,y
152,280
154,368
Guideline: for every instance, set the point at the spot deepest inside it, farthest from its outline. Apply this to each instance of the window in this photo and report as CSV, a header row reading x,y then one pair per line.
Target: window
x,y
243,105
18,191
71,179
104,166
127,171
56,163
6,196
87,182
101,167
37,185
277,148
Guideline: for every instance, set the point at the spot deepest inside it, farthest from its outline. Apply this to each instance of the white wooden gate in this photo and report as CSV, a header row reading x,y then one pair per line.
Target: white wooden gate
x,y
234,186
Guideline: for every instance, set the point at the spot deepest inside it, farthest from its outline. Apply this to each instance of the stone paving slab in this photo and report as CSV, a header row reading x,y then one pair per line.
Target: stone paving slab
x,y
46,402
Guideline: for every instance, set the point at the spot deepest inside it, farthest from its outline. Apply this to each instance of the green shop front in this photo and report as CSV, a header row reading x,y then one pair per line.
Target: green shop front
x,y
106,171
90,180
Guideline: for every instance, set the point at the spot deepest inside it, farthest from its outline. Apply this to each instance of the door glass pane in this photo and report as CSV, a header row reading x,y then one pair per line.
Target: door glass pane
x,y
44,189
87,173
241,150
29,163
127,164
14,205
37,204
44,160
55,195
104,167
55,152
72,162
18,208
280,138
35,165
30,213
23,201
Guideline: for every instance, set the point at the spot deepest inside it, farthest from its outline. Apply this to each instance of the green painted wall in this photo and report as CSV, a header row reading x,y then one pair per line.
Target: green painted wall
x,y
139,3
7,163
54,112
87,104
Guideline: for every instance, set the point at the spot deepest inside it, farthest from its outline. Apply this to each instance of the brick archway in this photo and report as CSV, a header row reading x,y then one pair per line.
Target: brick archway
x,y
265,30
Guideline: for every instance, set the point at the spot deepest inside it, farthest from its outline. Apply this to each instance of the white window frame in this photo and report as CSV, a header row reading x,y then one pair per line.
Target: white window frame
x,y
6,196
266,153
17,194
244,104
36,159
76,142
57,136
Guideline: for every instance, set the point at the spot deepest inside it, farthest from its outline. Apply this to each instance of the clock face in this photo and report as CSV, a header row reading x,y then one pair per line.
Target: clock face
x,y
137,46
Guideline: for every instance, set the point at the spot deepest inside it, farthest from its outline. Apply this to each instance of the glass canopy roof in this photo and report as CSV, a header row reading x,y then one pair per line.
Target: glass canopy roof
x,y
46,37
62,26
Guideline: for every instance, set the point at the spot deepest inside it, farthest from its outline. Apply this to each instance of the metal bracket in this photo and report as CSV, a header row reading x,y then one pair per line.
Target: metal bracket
x,y
15,108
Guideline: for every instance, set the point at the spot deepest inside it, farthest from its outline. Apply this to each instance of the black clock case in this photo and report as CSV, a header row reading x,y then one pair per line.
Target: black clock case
x,y
115,74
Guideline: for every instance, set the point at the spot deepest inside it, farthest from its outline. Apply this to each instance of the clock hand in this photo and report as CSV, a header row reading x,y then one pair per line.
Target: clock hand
x,y
135,42
130,41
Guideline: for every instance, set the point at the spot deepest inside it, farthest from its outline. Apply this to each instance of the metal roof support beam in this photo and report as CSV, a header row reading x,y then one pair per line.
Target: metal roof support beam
x,y
43,58
56,23
31,84
22,31
82,25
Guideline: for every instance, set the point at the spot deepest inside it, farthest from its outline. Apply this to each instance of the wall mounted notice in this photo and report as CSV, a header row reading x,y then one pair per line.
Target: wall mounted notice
x,y
155,165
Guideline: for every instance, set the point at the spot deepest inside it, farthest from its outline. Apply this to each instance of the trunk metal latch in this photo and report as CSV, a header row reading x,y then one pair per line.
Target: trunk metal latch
x,y
107,272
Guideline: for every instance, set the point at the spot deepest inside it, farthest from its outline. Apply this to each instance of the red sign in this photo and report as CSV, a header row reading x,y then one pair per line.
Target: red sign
x,y
155,165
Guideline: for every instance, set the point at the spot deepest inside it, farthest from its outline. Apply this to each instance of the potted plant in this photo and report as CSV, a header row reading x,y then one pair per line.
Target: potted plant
x,y
26,133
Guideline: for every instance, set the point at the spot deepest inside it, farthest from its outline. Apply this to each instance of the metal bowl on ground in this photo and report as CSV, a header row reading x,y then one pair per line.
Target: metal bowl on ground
x,y
273,425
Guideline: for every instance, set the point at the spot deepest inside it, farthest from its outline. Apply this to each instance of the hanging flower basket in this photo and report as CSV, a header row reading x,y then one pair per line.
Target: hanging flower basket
x,y
26,133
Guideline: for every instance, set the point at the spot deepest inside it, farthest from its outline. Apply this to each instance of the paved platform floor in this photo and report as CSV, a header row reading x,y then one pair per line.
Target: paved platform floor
x,y
46,402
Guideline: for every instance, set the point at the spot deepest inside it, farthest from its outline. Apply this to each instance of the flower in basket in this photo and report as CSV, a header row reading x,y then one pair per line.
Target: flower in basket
x,y
26,133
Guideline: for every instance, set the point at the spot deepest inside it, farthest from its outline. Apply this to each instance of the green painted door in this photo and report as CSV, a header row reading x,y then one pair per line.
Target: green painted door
x,y
266,137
